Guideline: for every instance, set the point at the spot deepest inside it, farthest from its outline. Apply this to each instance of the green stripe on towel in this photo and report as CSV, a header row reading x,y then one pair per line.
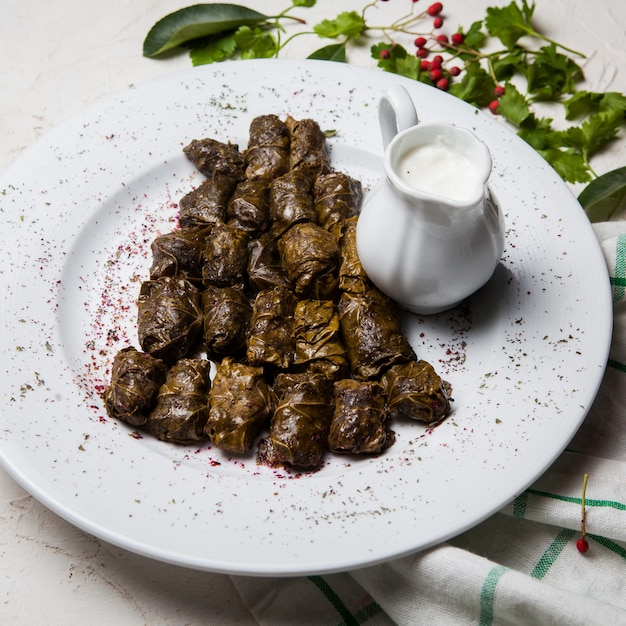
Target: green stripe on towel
x,y
549,557
487,594
335,600
367,612
611,504
617,365
519,505
609,545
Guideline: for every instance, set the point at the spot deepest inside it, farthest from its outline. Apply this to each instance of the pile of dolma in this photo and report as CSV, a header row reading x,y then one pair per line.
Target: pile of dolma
x,y
263,279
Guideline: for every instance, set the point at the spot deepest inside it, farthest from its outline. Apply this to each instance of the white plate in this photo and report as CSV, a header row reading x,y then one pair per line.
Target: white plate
x,y
525,355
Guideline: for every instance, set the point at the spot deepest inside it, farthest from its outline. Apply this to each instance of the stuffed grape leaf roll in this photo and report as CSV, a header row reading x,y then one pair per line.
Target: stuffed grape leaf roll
x,y
227,315
310,256
416,391
214,157
135,381
267,155
318,338
241,403
179,253
352,276
265,269
225,256
307,149
337,197
223,165
271,340
372,335
207,203
169,317
359,423
291,200
249,206
182,407
299,426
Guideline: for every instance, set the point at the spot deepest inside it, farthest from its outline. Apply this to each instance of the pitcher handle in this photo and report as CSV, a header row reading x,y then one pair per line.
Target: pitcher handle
x,y
396,112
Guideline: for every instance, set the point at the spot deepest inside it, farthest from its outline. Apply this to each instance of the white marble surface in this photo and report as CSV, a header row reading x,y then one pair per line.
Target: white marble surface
x,y
58,57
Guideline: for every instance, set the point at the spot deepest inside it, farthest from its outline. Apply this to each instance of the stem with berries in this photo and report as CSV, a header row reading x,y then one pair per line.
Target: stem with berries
x,y
582,544
508,81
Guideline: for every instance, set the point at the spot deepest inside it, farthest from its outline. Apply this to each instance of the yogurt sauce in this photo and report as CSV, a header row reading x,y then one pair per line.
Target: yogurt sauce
x,y
439,168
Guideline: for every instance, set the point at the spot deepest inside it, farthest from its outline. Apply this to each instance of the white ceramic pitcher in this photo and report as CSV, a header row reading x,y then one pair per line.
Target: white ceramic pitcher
x,y
430,232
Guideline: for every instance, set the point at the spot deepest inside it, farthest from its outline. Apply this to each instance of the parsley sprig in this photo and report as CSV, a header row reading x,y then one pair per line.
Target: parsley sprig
x,y
500,62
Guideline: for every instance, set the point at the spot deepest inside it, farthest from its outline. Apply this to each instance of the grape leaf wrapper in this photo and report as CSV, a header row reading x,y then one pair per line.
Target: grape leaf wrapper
x,y
240,404
359,423
182,407
135,381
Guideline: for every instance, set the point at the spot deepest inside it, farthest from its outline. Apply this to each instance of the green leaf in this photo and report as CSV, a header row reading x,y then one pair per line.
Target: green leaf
x,y
197,21
409,66
334,52
573,137
601,128
509,23
613,101
571,166
215,50
605,197
476,86
398,61
564,150
514,106
303,3
586,102
349,23
255,43
552,74
538,133
581,103
507,65
474,37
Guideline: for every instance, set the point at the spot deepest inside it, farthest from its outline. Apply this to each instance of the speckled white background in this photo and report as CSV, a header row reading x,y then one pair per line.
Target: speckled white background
x,y
58,57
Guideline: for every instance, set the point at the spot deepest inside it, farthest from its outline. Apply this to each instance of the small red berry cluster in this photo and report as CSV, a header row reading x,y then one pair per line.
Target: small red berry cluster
x,y
494,105
439,75
430,48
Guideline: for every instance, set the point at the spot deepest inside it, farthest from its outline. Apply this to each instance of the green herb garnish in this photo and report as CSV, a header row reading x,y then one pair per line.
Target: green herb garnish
x,y
501,63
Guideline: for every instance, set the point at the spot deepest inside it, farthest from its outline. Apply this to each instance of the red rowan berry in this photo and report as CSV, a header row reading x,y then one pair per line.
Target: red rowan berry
x,y
442,84
435,75
425,65
384,53
422,53
458,38
455,70
582,545
442,38
494,105
435,9
420,42
498,91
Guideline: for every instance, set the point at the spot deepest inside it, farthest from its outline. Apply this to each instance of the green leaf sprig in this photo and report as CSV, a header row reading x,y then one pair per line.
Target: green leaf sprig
x,y
524,70
217,31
